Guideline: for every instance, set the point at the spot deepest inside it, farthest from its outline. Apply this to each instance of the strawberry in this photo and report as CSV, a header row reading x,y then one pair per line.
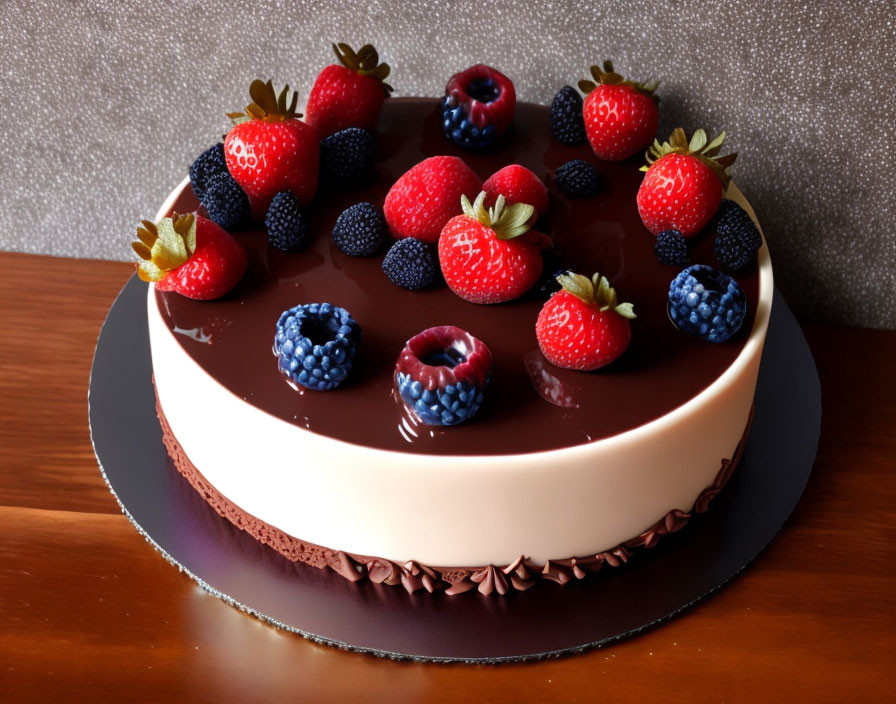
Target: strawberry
x,y
482,256
684,184
621,116
270,150
518,185
190,255
350,95
582,326
426,196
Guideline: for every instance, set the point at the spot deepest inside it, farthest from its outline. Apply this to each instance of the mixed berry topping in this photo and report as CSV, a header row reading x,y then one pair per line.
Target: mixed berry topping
x,y
287,228
583,326
225,201
269,165
684,183
578,179
707,303
346,157
315,345
190,255
426,197
482,256
441,375
350,93
478,106
671,248
567,123
360,230
210,163
411,264
621,116
738,238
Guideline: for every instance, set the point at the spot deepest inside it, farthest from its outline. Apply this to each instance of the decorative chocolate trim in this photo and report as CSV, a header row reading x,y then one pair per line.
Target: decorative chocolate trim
x,y
519,575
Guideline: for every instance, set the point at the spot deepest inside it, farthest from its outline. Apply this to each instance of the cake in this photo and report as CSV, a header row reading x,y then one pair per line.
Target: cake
x,y
560,472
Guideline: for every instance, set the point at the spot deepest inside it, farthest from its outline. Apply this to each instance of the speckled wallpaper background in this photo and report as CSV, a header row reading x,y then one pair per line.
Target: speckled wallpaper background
x,y
104,104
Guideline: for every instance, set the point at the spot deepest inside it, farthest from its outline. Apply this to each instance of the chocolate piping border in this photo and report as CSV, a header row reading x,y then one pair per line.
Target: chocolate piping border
x,y
519,575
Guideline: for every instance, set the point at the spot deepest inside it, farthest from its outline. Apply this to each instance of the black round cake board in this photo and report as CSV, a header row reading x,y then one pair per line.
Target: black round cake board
x,y
545,621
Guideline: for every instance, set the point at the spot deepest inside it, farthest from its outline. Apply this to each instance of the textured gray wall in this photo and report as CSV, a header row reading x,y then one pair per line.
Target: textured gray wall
x,y
104,104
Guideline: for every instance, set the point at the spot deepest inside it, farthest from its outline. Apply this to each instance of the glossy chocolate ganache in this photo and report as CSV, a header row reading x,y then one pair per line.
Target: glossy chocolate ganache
x,y
530,405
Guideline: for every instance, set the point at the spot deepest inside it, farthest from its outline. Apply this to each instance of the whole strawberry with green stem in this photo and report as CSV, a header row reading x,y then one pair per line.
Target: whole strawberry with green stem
x,y
269,149
684,183
621,116
190,255
583,326
349,94
483,256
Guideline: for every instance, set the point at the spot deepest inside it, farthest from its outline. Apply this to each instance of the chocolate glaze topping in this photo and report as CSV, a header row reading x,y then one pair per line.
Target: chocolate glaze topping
x,y
531,405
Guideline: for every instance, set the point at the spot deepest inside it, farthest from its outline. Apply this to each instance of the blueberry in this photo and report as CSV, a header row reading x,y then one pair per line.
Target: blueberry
x,y
315,345
707,303
467,90
441,375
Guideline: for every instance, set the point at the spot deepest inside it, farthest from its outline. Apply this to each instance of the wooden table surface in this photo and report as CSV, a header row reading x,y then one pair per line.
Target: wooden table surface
x,y
88,610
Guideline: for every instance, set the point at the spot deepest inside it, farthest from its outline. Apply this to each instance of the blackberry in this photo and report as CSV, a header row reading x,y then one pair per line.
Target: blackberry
x,y
441,375
729,214
315,345
707,303
346,157
578,179
287,229
210,163
738,239
225,201
360,230
736,248
411,263
567,123
671,248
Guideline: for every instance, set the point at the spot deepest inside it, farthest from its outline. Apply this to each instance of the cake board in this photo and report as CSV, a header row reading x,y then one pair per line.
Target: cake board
x,y
548,620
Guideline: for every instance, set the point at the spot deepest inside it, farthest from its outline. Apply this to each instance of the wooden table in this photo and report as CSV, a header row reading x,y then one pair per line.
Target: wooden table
x,y
89,610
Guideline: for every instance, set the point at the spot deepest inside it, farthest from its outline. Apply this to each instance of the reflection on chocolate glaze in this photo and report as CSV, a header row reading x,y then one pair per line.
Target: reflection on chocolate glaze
x,y
662,369
548,386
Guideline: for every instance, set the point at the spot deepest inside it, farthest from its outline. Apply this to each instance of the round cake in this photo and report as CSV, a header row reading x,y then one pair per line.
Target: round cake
x,y
559,473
